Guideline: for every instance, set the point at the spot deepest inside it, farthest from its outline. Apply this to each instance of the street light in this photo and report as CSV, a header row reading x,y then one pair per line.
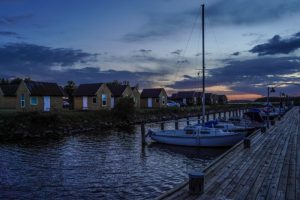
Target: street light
x,y
270,89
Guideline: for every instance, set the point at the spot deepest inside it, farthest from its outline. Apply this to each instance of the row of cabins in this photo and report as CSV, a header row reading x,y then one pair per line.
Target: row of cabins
x,y
195,98
42,96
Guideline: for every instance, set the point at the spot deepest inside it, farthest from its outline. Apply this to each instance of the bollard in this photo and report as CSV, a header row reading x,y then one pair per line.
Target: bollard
x,y
196,182
176,124
162,126
263,129
143,134
187,121
247,143
273,122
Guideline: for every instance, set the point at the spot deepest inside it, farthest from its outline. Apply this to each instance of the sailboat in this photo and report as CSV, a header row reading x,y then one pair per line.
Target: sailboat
x,y
200,135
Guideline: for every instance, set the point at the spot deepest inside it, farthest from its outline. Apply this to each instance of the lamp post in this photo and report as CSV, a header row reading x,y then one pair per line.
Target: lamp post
x,y
270,89
281,94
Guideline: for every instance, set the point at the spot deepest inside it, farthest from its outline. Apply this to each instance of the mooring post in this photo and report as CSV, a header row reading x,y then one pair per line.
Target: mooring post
x,y
176,124
196,182
187,121
162,126
143,132
247,143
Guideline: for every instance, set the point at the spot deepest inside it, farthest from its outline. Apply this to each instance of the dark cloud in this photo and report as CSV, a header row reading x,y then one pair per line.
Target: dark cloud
x,y
250,12
247,76
236,53
11,20
62,64
9,33
176,52
15,54
145,50
277,45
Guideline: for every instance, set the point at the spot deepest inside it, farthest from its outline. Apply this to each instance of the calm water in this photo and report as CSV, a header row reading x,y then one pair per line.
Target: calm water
x,y
96,166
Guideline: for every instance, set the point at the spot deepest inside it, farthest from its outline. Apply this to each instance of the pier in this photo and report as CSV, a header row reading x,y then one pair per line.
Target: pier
x,y
264,166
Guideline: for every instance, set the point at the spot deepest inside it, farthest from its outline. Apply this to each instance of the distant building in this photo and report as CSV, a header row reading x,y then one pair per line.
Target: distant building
x,y
136,97
92,96
119,91
185,97
39,96
8,97
154,98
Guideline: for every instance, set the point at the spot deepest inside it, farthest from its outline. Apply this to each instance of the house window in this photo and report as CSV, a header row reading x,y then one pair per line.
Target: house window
x,y
163,100
94,99
33,101
104,100
157,100
22,101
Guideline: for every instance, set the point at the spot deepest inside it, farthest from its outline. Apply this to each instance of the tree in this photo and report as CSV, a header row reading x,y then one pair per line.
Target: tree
x,y
16,81
124,110
69,89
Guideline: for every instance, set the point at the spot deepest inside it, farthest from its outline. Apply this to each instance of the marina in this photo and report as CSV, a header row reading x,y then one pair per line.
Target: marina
x,y
267,168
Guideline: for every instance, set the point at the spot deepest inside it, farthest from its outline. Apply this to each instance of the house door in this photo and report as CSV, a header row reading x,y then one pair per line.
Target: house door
x,y
112,102
47,103
84,103
184,101
149,102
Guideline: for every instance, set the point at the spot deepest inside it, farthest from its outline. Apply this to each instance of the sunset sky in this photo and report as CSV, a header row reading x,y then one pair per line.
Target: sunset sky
x,y
249,44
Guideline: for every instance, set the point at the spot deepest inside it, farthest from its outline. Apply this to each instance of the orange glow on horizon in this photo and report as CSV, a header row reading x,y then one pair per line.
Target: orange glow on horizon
x,y
243,96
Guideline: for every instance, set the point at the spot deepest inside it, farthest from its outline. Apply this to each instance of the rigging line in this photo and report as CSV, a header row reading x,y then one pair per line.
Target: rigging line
x,y
187,44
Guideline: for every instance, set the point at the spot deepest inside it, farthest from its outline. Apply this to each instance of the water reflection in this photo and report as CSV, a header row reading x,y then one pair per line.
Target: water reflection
x,y
103,165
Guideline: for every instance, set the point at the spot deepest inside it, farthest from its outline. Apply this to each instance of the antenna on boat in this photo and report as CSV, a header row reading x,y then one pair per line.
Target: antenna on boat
x,y
203,68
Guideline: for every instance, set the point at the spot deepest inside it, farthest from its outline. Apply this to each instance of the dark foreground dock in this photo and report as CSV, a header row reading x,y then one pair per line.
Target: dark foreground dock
x,y
269,169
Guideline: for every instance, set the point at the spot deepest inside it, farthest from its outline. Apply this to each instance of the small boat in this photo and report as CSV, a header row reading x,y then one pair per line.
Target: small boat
x,y
198,136
201,135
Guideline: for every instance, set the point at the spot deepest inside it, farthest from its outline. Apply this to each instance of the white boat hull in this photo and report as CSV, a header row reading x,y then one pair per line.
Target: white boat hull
x,y
199,141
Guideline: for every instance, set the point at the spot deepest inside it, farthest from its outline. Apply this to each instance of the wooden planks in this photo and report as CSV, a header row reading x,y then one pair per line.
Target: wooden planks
x,y
270,169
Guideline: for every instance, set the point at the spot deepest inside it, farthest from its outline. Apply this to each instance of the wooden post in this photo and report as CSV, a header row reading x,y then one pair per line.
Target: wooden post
x,y
143,134
247,143
187,121
162,126
196,182
176,124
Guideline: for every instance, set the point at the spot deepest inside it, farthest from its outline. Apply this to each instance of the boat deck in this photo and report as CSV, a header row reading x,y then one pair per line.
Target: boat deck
x,y
269,169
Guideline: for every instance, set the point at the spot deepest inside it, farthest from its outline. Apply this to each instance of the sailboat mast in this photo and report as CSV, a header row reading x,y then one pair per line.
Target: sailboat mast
x,y
203,68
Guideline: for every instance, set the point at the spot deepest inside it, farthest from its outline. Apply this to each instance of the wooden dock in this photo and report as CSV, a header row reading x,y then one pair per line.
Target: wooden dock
x,y
269,169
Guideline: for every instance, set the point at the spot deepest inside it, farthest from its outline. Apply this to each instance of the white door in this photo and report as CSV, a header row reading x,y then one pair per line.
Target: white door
x,y
47,103
84,103
184,101
149,102
112,102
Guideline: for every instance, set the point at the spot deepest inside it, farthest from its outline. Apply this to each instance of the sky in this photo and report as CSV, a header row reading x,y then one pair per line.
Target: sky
x,y
249,45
